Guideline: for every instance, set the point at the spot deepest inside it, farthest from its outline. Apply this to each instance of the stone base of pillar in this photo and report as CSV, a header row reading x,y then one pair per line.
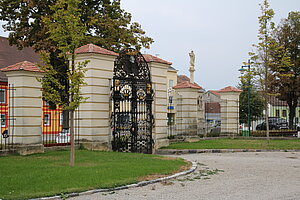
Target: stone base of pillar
x,y
228,134
29,149
161,143
94,145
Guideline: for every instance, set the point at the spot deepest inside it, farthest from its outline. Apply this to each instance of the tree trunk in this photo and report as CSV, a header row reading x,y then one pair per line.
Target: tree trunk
x,y
267,120
65,122
292,113
72,156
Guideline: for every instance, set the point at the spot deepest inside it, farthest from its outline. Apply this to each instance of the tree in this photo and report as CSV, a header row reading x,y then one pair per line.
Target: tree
x,y
107,25
261,59
285,79
256,103
67,30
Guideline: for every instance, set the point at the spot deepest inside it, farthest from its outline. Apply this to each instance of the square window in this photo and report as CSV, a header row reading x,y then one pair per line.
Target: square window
x,y
2,96
46,119
170,83
61,118
3,120
277,114
284,114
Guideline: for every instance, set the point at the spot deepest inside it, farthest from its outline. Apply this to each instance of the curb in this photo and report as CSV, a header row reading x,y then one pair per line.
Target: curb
x,y
194,151
139,184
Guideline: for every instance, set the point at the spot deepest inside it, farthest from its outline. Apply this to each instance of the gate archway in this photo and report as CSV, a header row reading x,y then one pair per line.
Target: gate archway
x,y
132,97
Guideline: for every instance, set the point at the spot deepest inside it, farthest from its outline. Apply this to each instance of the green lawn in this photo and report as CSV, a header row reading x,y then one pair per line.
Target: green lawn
x,y
237,144
48,174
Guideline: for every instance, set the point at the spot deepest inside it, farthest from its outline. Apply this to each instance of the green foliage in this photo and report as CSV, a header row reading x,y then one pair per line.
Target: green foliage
x,y
256,103
277,59
25,177
285,79
261,59
68,32
107,24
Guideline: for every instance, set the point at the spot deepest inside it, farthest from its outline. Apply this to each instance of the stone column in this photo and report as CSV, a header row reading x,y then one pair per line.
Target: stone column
x,y
187,110
229,110
159,105
95,113
27,107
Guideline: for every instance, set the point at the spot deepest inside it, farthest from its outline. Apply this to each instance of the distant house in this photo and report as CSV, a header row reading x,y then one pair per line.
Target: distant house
x,y
212,107
278,108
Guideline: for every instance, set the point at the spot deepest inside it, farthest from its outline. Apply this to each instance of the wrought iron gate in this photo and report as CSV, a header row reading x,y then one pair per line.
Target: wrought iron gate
x,y
132,97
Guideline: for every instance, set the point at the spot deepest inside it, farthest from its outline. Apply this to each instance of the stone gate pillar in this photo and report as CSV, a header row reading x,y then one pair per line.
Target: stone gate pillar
x,y
94,113
27,107
187,95
229,110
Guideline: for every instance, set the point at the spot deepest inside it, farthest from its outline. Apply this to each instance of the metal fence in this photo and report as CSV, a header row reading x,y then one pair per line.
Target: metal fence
x,y
53,133
7,116
279,125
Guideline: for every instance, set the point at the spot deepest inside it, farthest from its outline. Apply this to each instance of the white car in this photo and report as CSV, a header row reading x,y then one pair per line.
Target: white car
x,y
63,137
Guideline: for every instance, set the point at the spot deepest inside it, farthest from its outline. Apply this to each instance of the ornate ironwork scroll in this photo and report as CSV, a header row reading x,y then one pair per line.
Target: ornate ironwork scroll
x,y
132,97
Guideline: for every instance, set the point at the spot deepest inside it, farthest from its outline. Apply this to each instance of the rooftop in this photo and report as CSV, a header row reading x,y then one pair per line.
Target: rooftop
x,y
91,48
151,58
215,92
25,66
10,55
182,78
187,84
229,89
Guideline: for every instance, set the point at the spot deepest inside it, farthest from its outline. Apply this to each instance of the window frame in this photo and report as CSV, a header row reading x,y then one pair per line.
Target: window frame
x,y
48,121
4,92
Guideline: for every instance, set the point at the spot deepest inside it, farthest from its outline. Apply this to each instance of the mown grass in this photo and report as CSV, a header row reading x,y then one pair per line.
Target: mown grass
x,y
47,174
237,144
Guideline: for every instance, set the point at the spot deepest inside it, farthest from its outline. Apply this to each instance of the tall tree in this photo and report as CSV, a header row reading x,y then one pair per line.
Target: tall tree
x,y
68,31
107,25
261,59
285,79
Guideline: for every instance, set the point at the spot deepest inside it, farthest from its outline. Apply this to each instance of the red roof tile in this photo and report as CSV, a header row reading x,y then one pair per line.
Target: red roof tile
x,y
182,78
91,48
187,84
25,65
230,89
150,58
215,92
10,55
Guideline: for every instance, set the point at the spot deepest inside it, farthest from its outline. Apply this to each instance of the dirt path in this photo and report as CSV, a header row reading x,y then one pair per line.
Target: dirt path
x,y
247,176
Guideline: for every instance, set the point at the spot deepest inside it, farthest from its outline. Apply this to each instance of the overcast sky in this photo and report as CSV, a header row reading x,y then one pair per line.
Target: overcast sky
x,y
220,32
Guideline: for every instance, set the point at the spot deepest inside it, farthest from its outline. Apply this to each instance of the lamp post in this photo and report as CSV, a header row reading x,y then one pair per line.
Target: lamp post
x,y
242,70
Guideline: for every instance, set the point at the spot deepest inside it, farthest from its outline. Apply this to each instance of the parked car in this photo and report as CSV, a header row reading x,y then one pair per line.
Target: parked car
x,y
297,127
275,123
216,128
63,137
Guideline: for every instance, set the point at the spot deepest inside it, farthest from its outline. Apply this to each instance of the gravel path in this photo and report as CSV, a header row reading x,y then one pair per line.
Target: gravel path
x,y
246,176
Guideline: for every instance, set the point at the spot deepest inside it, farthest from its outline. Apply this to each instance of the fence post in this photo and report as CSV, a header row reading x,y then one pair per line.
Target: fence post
x,y
27,107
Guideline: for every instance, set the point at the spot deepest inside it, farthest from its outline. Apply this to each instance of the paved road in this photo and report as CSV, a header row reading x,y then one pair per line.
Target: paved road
x,y
240,176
